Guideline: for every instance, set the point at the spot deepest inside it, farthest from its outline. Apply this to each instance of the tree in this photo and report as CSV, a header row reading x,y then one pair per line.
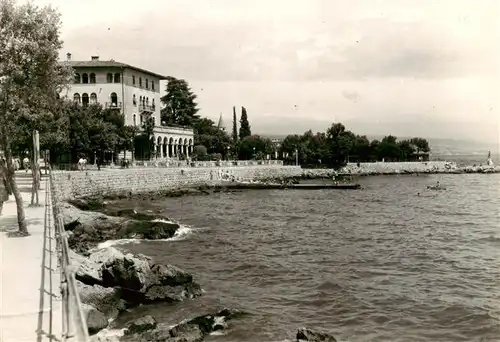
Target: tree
x,y
253,146
421,145
127,135
244,124
374,144
388,148
180,106
235,127
339,144
288,147
406,149
200,153
144,141
215,140
362,151
31,76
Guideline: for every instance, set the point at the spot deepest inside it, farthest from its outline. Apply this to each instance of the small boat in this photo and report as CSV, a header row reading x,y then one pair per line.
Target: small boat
x,y
489,161
435,187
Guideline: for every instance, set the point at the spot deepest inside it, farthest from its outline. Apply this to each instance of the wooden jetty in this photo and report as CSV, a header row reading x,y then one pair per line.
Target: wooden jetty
x,y
308,186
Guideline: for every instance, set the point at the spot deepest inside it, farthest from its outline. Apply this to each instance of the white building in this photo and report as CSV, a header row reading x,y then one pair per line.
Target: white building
x,y
133,91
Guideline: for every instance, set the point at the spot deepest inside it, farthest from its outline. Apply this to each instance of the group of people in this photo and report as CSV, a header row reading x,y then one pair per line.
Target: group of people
x,y
223,175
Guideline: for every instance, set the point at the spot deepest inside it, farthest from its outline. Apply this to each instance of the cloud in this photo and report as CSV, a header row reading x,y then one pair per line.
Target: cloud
x,y
351,96
222,48
414,64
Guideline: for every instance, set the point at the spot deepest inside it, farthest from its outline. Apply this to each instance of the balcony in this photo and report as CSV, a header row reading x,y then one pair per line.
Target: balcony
x,y
146,108
174,130
113,105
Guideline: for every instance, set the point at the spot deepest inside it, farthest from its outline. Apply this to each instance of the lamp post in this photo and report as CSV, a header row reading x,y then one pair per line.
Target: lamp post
x,y
254,153
228,149
296,157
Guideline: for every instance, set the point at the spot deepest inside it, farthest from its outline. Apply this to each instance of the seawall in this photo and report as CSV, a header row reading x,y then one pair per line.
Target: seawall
x,y
395,167
77,184
380,168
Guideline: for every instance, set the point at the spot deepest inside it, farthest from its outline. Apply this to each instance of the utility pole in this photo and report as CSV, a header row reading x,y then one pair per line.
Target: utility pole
x,y
36,168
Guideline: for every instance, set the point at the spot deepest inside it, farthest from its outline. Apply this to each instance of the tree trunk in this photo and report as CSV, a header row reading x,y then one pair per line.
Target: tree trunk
x,y
11,177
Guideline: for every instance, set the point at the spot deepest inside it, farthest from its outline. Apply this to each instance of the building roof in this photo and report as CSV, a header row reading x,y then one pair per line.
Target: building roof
x,y
221,124
108,64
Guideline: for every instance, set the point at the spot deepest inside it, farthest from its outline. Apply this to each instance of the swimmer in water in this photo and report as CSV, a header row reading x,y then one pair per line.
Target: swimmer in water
x,y
418,194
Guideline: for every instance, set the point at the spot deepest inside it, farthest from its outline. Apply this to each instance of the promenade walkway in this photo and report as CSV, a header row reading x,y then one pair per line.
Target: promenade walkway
x,y
24,304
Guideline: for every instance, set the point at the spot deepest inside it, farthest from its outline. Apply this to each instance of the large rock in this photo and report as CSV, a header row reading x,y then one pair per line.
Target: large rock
x,y
105,299
88,204
90,228
137,278
87,271
305,334
108,335
141,324
193,330
95,319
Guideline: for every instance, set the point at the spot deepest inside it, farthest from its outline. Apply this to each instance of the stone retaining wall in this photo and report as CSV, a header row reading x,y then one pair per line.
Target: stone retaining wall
x,y
74,184
396,167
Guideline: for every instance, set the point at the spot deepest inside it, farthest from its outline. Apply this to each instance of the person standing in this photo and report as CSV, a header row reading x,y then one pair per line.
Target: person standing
x,y
4,185
26,163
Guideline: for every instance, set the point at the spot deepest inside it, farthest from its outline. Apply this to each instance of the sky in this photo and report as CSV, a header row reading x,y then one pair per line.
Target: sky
x,y
425,68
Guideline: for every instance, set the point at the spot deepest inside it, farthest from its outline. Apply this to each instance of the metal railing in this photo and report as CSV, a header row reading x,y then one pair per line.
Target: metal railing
x,y
46,270
74,325
146,108
113,105
170,163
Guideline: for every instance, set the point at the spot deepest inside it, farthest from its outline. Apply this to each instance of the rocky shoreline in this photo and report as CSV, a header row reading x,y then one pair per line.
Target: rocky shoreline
x,y
111,282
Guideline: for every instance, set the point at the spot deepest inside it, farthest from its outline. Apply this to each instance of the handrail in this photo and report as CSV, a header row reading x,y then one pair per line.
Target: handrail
x,y
74,323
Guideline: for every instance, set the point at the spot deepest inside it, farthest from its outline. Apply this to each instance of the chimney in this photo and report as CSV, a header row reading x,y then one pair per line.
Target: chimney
x,y
68,56
94,58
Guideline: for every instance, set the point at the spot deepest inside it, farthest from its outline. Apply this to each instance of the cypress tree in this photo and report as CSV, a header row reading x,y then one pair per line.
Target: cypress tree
x,y
244,124
235,126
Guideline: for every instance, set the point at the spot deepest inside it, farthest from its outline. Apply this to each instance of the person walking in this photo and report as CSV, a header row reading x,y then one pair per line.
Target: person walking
x,y
4,185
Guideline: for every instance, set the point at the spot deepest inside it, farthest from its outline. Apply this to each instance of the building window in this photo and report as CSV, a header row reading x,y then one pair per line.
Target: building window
x,y
140,82
154,122
92,78
85,99
141,119
85,78
134,101
76,97
153,104
147,101
117,78
77,78
133,80
114,99
135,120
153,85
109,78
93,98
147,83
